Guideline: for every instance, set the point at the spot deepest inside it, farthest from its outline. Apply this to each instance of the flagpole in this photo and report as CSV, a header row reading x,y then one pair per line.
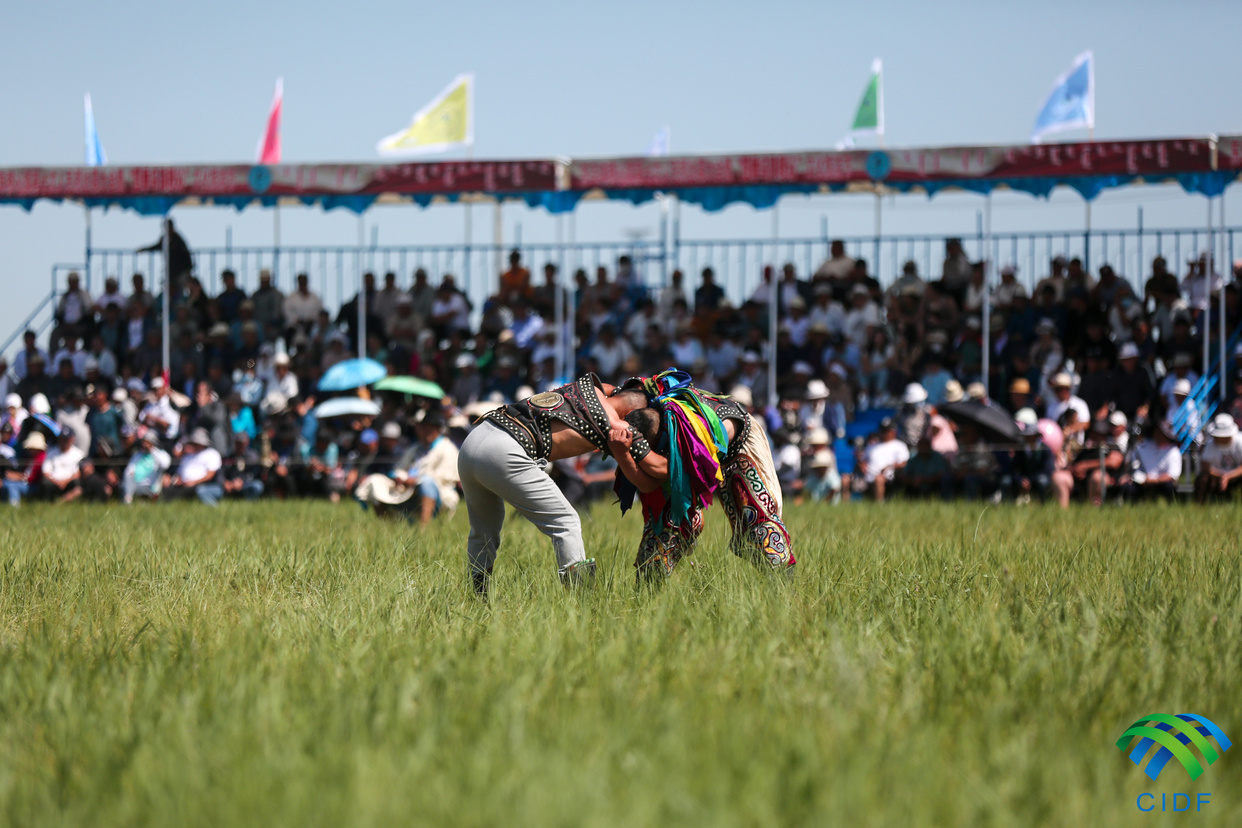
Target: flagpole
x,y
469,231
1086,241
558,305
987,293
276,243
773,293
87,267
167,303
1205,327
362,299
1224,257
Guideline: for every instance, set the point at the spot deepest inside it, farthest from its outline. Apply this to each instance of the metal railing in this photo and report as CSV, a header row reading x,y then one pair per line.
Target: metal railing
x,y
738,263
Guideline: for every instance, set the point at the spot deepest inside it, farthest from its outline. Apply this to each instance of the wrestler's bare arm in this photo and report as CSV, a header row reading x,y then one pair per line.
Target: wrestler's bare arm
x,y
619,442
655,466
613,420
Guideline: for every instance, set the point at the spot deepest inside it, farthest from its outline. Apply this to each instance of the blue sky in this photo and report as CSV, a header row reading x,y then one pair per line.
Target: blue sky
x,y
179,84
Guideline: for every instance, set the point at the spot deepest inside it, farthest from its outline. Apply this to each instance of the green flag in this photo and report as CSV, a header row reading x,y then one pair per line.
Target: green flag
x,y
869,120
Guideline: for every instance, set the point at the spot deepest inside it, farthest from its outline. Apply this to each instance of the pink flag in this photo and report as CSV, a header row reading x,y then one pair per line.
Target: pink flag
x,y
269,144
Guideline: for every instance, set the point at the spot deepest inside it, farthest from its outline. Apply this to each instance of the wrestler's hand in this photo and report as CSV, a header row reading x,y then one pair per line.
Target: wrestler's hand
x,y
621,436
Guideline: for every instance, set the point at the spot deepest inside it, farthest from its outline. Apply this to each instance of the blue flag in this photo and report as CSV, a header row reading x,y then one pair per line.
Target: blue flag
x,y
1071,103
95,155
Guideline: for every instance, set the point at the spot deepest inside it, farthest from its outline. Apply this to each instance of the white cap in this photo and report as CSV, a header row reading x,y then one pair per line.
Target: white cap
x,y
823,459
119,394
524,392
953,391
136,386
803,367
816,390
1222,425
13,401
1118,418
915,393
1026,416
39,405
751,356
1062,380
157,383
391,431
743,395
90,364
1009,270
1181,387
281,359
818,436
1128,351
976,391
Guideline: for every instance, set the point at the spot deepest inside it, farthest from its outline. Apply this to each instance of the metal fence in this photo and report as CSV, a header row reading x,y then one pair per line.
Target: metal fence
x,y
738,263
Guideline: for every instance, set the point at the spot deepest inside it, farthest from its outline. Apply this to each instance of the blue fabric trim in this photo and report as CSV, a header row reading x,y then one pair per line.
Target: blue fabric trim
x,y
710,199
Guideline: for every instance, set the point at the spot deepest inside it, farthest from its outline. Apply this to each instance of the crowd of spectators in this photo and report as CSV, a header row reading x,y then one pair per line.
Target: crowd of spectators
x,y
1091,371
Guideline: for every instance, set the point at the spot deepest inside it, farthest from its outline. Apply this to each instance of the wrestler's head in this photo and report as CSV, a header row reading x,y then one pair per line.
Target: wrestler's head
x,y
628,400
646,421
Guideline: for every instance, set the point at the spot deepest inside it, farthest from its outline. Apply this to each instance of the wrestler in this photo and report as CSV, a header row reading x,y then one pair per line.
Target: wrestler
x,y
501,462
744,479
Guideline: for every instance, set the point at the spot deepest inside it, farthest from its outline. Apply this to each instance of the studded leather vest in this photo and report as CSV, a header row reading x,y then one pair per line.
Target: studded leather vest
x,y
728,409
576,405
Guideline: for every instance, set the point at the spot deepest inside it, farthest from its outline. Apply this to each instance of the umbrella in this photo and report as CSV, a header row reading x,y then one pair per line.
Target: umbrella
x,y
352,373
1053,437
411,385
992,423
343,406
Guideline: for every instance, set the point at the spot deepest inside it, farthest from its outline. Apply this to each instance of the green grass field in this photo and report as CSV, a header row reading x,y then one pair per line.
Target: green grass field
x,y
302,664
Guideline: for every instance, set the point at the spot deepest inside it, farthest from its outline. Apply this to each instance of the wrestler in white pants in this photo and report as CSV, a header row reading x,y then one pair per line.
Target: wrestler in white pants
x,y
494,470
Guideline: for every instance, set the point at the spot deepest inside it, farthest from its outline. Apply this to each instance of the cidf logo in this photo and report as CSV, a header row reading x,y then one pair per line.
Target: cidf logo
x,y
1175,735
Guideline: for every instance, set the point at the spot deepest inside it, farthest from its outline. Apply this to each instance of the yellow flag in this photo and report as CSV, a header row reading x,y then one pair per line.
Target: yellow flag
x,y
446,122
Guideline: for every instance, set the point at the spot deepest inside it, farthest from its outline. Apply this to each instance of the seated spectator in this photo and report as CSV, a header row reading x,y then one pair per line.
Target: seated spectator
x,y
1009,288
242,473
62,468
1030,468
144,474
1221,459
1064,399
105,422
882,460
25,474
913,417
927,473
319,469
423,482
823,483
74,314
159,413
230,299
1155,466
196,471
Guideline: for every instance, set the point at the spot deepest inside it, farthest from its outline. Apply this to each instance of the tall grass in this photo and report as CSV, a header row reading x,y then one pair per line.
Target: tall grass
x,y
299,664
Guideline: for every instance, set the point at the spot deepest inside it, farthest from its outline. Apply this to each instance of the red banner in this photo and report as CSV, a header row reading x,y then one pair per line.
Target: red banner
x,y
206,181
909,166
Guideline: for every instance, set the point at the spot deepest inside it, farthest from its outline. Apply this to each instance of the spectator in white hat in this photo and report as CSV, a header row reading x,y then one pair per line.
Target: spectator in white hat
x,y
144,474
62,470
1009,288
159,413
283,379
14,413
196,473
816,407
1063,399
1221,459
1185,420
1134,383
913,417
824,482
1155,466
